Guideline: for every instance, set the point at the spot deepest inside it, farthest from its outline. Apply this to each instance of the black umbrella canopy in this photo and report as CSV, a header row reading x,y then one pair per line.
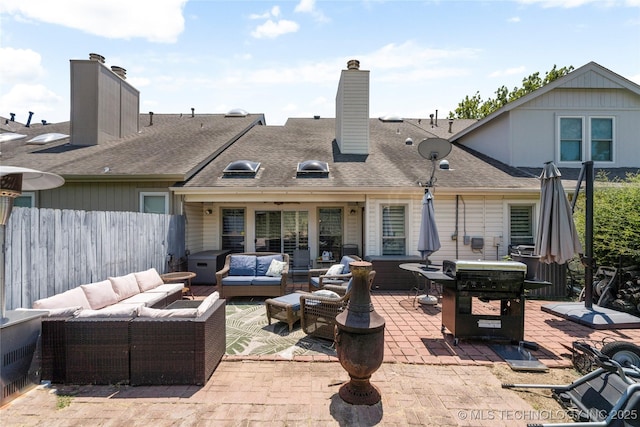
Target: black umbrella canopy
x,y
557,240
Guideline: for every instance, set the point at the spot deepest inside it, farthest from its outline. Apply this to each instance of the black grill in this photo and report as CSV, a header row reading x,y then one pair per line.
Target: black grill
x,y
462,281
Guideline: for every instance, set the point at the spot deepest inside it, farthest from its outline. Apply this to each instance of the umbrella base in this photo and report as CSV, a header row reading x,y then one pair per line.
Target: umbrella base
x,y
427,299
595,317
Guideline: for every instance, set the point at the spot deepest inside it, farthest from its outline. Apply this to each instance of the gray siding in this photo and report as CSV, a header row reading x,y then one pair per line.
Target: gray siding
x,y
101,196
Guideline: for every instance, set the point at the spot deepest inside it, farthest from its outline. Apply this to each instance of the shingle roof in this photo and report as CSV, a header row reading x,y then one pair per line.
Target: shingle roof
x,y
174,147
391,163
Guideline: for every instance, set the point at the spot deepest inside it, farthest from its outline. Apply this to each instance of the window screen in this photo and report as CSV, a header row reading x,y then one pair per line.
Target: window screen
x,y
393,230
521,225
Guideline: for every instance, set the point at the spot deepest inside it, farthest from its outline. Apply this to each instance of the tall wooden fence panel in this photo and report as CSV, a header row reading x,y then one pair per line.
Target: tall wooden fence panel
x,y
49,251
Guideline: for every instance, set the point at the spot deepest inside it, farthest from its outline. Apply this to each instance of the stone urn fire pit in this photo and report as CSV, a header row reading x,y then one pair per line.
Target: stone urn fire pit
x,y
359,338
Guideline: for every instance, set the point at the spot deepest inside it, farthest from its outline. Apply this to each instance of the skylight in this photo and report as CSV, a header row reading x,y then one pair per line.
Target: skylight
x,y
242,168
313,167
390,118
11,136
237,112
46,138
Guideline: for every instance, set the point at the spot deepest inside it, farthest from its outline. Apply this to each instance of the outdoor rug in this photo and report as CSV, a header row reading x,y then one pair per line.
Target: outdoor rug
x,y
248,333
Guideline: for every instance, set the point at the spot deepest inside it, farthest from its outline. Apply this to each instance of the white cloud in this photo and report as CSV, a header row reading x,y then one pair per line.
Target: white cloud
x,y
635,79
514,19
271,29
155,20
274,12
22,98
309,6
19,65
509,72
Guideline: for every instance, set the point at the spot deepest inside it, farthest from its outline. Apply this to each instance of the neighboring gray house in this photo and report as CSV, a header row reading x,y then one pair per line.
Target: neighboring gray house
x,y
350,180
113,158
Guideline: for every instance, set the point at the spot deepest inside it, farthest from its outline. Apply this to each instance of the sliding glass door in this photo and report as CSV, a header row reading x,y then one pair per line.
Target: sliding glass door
x,y
282,231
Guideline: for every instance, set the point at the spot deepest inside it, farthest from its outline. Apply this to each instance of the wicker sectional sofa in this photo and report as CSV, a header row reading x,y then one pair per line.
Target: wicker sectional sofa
x,y
252,274
164,340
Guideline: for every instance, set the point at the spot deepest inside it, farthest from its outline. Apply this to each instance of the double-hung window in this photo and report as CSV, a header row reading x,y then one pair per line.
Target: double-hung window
x,y
586,138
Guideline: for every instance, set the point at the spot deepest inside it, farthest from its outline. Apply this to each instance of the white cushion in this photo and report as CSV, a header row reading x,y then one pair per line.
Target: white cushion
x,y
118,310
148,279
172,312
276,268
167,288
125,286
100,294
207,303
334,270
148,298
64,312
326,294
71,298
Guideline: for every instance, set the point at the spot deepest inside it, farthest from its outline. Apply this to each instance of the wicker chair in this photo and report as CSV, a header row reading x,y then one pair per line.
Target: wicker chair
x,y
318,313
318,278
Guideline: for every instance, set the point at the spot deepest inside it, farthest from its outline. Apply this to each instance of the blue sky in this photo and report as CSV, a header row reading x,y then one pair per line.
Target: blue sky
x,y
283,58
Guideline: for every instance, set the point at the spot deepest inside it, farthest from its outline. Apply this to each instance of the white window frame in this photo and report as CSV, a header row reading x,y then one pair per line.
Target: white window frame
x,y
30,195
583,148
507,223
613,140
586,140
164,194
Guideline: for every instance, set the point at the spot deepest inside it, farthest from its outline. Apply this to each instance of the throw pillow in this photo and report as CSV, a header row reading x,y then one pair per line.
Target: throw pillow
x,y
207,303
242,265
334,270
172,312
276,268
325,293
125,286
148,279
100,294
71,298
345,264
263,262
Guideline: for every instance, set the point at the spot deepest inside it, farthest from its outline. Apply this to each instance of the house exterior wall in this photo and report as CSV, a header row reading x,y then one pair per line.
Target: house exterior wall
x,y
203,230
102,196
492,139
535,123
527,136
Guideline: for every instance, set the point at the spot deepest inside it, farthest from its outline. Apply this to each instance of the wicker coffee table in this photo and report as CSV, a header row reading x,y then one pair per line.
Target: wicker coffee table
x,y
285,308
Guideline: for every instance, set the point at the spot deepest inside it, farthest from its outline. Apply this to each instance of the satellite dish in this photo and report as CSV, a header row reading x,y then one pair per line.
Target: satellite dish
x,y
434,148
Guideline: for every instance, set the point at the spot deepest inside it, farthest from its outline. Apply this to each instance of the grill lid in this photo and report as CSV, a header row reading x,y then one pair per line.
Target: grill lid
x,y
453,267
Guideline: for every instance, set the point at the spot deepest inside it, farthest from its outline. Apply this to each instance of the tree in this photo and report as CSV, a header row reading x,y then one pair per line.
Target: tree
x,y
476,108
616,220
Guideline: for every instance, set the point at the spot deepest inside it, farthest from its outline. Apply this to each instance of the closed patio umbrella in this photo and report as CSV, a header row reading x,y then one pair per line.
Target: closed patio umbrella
x,y
557,240
428,241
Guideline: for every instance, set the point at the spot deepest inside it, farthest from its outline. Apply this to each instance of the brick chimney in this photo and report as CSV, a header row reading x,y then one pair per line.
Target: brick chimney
x,y
352,110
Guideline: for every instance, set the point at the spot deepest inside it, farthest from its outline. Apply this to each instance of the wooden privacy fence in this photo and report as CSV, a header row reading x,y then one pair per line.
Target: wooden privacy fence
x,y
49,251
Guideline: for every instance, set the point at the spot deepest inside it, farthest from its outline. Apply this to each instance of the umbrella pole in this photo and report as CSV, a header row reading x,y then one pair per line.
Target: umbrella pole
x,y
588,238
